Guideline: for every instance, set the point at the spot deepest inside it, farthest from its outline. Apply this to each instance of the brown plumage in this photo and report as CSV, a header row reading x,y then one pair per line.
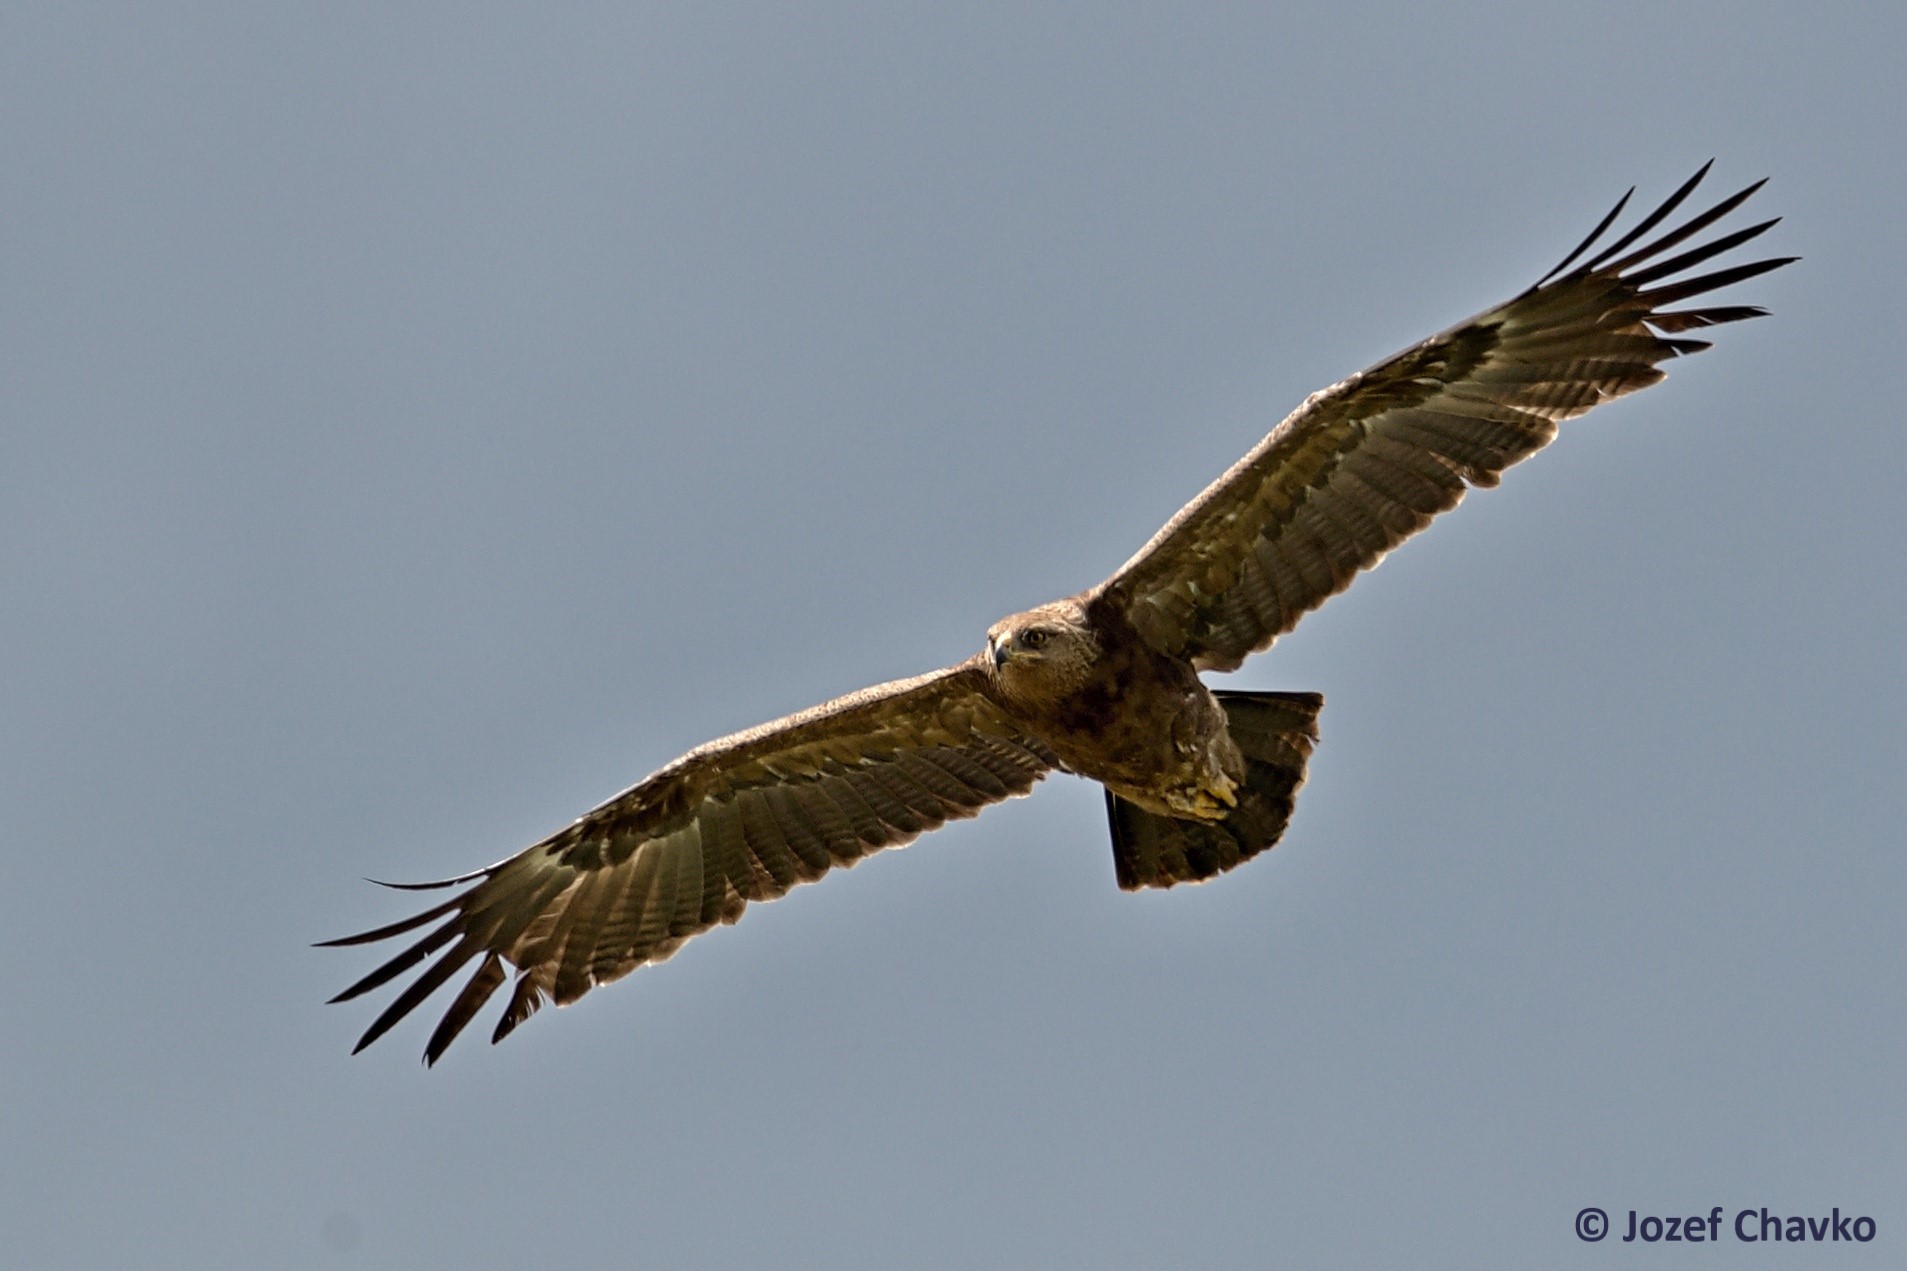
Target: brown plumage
x,y
1103,684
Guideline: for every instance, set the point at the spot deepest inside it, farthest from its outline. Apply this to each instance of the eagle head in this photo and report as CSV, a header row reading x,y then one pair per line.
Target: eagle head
x,y
1045,651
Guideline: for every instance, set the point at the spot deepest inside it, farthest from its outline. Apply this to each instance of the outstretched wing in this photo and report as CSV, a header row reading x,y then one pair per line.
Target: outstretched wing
x,y
1368,462
741,819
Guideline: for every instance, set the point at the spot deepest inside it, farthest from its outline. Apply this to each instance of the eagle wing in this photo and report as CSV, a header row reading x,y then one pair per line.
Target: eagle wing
x,y
1366,463
741,819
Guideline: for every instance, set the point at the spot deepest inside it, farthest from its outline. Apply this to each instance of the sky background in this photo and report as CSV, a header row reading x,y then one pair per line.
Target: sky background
x,y
419,422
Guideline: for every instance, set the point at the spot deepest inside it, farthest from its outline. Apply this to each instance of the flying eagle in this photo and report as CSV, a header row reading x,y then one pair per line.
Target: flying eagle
x,y
1104,683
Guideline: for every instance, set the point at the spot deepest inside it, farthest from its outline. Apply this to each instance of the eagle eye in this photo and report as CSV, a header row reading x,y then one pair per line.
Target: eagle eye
x,y
1033,638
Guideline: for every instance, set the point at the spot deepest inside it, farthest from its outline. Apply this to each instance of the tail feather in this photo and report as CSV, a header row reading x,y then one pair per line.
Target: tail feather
x,y
1275,732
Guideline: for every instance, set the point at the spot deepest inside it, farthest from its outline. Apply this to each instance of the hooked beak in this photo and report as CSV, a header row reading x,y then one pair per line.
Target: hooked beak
x,y
999,651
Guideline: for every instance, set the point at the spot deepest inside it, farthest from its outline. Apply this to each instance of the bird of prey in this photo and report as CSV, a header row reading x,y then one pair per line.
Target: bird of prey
x,y
1104,683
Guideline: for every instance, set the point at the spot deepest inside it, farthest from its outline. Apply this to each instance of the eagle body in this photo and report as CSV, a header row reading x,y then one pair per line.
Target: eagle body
x,y
1104,683
1114,709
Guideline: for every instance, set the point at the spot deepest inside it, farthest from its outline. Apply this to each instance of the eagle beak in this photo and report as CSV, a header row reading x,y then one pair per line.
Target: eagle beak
x,y
999,652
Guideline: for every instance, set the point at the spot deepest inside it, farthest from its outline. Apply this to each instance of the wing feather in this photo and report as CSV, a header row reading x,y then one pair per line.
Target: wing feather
x,y
643,923
868,830
469,1000
572,947
780,808
824,816
764,846
741,819
615,949
1368,462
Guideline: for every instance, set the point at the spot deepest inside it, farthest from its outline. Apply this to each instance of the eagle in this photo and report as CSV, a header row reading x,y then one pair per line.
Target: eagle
x,y
1104,683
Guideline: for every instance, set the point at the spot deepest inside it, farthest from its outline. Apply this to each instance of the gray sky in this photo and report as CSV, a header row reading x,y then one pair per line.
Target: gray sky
x,y
418,423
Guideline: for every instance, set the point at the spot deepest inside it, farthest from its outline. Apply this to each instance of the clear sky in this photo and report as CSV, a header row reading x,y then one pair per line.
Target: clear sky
x,y
419,422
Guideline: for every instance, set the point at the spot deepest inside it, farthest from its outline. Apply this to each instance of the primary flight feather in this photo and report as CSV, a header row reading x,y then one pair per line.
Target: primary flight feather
x,y
1103,683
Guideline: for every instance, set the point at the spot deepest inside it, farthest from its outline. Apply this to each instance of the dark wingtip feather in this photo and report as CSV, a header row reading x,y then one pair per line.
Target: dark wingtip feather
x,y
489,976
380,1026
394,929
1678,348
441,883
1682,290
401,963
1696,255
525,1001
420,988
1594,234
1694,225
1690,319
1653,219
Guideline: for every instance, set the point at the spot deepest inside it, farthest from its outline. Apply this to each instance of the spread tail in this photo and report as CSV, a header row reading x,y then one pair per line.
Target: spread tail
x,y
1275,732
